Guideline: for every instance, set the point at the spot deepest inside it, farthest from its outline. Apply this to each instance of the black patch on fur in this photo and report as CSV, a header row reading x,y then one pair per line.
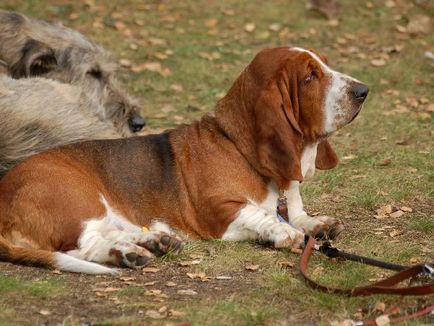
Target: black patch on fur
x,y
36,59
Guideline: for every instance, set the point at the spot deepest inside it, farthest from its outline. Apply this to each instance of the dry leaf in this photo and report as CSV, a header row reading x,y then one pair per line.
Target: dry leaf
x,y
170,284
201,275
189,263
396,233
286,264
252,267
153,292
378,62
386,162
150,283
223,277
250,27
330,8
154,314
187,292
346,322
275,27
210,23
397,214
125,63
177,87
45,312
383,320
150,270
297,251
127,279
380,306
175,313
406,209
157,41
419,24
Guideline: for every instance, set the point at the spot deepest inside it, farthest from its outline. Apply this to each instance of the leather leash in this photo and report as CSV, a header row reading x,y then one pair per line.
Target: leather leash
x,y
385,286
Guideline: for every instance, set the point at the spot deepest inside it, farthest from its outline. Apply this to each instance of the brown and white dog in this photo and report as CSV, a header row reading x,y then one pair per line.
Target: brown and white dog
x,y
77,206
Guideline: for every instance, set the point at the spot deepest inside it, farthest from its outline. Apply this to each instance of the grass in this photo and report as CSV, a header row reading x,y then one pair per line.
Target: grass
x,y
352,191
39,289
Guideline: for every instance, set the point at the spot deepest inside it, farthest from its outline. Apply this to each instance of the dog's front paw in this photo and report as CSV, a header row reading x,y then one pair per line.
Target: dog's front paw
x,y
326,228
162,243
285,236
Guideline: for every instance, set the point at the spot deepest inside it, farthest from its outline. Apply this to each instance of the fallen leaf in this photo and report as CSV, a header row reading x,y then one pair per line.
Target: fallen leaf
x,y
275,27
406,209
396,233
419,24
383,320
187,292
127,279
385,162
125,63
157,41
286,264
210,23
154,314
250,27
397,214
296,251
252,267
403,142
223,277
383,211
380,306
346,322
150,283
176,313
163,309
45,312
378,62
153,292
189,263
201,275
170,284
177,87
330,8
150,270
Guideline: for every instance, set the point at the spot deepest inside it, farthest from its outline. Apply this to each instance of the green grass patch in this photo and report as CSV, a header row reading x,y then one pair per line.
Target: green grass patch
x,y
40,289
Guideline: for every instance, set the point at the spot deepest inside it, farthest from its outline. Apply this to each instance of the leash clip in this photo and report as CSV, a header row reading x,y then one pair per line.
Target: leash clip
x,y
428,271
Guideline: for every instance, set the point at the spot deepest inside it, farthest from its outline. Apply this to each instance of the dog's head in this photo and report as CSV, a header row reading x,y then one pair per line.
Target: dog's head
x,y
286,99
36,48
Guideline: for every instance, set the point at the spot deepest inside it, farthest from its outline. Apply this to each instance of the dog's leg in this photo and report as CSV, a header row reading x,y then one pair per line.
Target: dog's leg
x,y
316,226
113,239
255,223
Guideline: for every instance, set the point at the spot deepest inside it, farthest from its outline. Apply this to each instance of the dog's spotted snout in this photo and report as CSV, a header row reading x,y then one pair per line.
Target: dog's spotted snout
x,y
136,123
360,92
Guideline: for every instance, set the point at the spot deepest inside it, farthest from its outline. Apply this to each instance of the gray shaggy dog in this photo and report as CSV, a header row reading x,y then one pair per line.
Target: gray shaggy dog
x,y
30,47
30,120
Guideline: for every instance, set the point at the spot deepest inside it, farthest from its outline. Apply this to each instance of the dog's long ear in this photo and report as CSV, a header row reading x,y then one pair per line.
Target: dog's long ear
x,y
37,59
326,157
279,138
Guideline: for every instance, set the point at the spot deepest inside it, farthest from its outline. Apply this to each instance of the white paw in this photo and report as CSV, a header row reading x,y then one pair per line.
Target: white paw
x,y
285,236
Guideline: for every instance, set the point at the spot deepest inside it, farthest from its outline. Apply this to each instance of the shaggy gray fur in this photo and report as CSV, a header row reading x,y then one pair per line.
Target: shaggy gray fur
x,y
30,121
30,47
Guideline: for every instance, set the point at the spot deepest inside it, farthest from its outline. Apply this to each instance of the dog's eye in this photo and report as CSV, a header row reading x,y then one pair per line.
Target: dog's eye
x,y
95,73
310,77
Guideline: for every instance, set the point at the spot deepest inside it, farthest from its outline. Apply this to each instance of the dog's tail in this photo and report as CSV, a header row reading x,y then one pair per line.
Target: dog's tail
x,y
48,259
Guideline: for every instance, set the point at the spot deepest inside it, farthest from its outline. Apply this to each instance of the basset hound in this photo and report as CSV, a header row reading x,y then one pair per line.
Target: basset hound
x,y
83,205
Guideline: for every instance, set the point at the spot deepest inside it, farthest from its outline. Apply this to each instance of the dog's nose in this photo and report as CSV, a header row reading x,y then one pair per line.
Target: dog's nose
x,y
360,92
136,123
